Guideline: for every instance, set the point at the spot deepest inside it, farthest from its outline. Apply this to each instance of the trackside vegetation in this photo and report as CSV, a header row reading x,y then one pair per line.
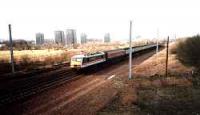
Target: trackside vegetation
x,y
188,51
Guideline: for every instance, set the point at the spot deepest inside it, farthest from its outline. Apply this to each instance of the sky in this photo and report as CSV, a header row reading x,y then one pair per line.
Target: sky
x,y
97,17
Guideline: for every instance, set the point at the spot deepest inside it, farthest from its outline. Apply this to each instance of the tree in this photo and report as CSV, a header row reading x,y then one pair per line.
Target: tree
x,y
188,51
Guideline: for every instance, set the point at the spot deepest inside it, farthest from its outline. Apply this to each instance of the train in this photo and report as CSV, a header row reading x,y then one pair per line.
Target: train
x,y
84,61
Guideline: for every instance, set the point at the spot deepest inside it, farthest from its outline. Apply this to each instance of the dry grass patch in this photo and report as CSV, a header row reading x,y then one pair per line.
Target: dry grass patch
x,y
156,65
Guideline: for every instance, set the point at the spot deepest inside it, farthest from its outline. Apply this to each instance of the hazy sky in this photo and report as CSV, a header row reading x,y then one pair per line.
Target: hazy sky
x,y
97,17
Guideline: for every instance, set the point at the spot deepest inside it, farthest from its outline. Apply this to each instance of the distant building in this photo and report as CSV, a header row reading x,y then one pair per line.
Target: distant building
x,y
39,38
49,41
2,45
94,40
60,37
107,38
83,38
71,37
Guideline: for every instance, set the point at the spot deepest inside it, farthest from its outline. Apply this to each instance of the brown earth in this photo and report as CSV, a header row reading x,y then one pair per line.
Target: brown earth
x,y
150,92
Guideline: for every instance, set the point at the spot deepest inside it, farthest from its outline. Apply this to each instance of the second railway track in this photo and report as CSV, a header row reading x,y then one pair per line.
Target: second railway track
x,y
29,87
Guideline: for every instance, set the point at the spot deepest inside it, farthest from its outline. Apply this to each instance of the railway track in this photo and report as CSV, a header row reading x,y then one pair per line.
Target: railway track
x,y
35,84
29,87
23,74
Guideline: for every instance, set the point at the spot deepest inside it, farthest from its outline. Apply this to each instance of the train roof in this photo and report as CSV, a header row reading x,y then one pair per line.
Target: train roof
x,y
141,46
102,53
113,50
78,56
89,55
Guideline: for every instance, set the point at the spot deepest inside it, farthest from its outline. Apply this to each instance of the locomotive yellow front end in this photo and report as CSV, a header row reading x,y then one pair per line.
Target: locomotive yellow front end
x,y
76,61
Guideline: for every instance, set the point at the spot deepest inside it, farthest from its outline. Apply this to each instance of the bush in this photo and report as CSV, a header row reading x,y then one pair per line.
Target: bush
x,y
49,60
25,60
173,51
188,52
65,56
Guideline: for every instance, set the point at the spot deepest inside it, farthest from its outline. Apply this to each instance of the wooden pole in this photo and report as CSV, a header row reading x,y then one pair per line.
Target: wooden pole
x,y
11,49
167,52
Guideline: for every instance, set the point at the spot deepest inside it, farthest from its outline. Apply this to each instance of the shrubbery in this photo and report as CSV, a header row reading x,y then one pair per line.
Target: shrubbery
x,y
188,51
